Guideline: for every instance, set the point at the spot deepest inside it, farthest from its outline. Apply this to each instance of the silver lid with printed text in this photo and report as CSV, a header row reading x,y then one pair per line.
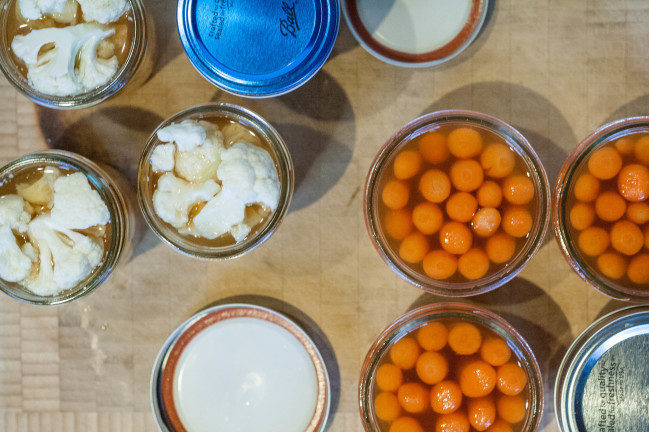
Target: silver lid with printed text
x,y
603,382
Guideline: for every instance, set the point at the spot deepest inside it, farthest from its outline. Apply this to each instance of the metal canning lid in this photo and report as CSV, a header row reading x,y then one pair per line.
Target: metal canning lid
x,y
415,33
603,380
258,48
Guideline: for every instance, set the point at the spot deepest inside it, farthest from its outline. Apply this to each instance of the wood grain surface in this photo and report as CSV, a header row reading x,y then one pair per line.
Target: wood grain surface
x,y
556,70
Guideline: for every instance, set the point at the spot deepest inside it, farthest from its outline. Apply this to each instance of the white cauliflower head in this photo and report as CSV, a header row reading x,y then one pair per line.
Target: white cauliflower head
x,y
41,192
13,214
199,164
53,72
62,10
103,11
187,134
76,204
14,264
250,172
66,257
174,198
222,214
94,71
162,158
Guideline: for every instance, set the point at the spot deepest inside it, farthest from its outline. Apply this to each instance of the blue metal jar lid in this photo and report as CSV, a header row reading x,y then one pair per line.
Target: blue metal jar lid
x,y
258,48
603,380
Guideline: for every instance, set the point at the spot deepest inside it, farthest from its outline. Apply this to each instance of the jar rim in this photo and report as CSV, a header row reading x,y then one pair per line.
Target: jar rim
x,y
517,142
285,172
602,136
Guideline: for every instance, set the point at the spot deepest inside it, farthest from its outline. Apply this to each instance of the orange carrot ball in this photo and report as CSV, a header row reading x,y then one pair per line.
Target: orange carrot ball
x,y
464,143
626,237
477,378
464,339
497,160
511,408
474,264
625,145
455,238
495,351
432,336
461,206
500,426
612,265
605,163
633,182
435,186
454,422
404,353
582,216
638,270
389,377
511,379
407,164
500,248
427,217
486,222
490,194
406,424
466,175
413,397
518,189
395,194
481,412
638,213
433,147
398,223
386,406
610,206
431,367
445,397
642,150
414,247
440,264
517,221
586,188
593,241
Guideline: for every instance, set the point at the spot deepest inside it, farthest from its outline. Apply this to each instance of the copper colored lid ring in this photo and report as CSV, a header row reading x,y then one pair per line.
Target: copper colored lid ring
x,y
451,47
240,311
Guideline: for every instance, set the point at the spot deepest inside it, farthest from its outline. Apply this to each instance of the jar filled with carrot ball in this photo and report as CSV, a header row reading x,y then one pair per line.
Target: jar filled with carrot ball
x,y
457,202
600,209
450,367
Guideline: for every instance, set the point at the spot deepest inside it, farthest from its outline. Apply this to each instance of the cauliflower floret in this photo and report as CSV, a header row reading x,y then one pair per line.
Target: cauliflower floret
x,y
222,214
199,164
94,71
76,204
103,11
34,9
41,192
174,197
14,264
250,171
162,158
66,257
12,213
53,72
187,134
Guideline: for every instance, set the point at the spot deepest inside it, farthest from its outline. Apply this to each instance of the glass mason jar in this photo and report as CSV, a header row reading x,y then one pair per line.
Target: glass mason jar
x,y
489,324
191,245
136,67
563,199
118,235
527,245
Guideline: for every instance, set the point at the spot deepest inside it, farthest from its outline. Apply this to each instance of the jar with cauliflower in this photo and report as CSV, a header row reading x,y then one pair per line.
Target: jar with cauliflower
x,y
58,226
212,182
61,50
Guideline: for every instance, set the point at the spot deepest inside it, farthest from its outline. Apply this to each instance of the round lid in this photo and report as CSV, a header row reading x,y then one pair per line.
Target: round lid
x,y
255,48
603,380
241,368
415,33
